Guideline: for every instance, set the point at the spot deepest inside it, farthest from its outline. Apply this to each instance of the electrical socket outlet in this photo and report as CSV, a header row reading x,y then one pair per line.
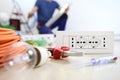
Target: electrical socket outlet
x,y
90,42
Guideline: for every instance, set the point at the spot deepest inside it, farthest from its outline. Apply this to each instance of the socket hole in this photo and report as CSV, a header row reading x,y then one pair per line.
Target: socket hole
x,y
80,46
72,45
104,45
93,46
80,41
77,41
104,42
72,38
84,42
96,42
90,42
104,38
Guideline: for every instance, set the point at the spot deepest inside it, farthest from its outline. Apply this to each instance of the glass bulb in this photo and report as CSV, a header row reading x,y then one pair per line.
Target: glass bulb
x,y
20,56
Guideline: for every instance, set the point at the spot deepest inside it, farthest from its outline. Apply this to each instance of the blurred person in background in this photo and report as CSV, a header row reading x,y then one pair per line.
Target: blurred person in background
x,y
45,10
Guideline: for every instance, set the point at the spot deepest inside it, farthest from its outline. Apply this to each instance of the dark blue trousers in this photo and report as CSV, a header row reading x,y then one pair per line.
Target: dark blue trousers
x,y
60,23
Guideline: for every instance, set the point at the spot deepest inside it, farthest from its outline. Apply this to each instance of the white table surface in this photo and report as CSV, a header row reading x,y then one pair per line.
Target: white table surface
x,y
63,70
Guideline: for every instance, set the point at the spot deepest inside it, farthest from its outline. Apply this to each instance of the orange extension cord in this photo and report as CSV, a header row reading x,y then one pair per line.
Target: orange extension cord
x,y
7,38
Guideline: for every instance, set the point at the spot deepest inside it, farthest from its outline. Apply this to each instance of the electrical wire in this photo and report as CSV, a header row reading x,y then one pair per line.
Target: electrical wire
x,y
33,23
7,38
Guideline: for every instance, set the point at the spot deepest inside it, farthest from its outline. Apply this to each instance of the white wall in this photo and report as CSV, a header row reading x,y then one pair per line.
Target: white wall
x,y
95,15
5,6
83,14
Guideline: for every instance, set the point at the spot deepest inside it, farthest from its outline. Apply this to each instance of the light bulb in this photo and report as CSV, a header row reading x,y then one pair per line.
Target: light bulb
x,y
20,56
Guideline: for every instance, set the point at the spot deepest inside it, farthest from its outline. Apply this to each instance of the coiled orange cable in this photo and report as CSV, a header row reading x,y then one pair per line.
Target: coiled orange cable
x,y
7,38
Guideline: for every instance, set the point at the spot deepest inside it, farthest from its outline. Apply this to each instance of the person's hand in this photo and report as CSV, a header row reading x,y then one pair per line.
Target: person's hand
x,y
30,14
66,10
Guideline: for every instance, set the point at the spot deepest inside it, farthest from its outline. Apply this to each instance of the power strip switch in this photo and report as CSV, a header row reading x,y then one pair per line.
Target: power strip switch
x,y
90,42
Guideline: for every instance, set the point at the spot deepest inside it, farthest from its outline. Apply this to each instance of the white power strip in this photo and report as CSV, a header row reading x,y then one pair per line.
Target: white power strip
x,y
49,38
90,42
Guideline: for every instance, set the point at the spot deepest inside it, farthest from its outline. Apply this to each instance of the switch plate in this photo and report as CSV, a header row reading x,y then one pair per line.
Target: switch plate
x,y
90,42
